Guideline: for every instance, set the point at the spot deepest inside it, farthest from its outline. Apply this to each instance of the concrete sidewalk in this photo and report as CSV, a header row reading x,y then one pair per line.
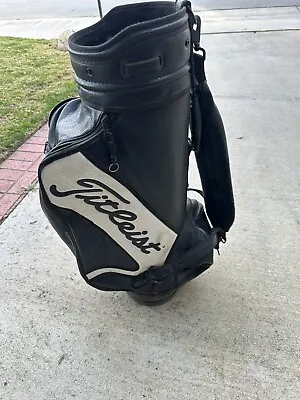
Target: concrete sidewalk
x,y
232,334
222,21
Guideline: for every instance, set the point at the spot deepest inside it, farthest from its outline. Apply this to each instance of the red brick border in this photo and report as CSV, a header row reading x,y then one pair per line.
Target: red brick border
x,y
19,172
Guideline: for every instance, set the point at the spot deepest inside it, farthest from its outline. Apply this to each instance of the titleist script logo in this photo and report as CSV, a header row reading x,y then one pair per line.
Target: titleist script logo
x,y
92,194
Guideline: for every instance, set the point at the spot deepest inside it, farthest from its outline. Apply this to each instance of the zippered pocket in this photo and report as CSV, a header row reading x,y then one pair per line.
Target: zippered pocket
x,y
71,145
103,127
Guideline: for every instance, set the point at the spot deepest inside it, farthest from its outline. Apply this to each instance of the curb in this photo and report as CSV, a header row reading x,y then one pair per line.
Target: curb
x,y
19,171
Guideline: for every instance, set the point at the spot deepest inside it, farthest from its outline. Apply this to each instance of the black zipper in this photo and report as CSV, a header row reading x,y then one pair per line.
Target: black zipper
x,y
110,141
103,126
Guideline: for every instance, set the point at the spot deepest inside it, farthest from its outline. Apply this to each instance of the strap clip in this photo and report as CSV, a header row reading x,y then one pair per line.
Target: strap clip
x,y
195,25
196,33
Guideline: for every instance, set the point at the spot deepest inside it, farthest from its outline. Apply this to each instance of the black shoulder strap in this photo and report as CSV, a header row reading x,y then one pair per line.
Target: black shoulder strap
x,y
208,137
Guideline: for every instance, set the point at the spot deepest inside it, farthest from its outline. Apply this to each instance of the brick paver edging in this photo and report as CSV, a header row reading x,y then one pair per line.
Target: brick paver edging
x,y
19,171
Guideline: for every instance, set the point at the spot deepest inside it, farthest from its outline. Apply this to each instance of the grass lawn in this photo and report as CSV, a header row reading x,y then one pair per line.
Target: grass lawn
x,y
34,77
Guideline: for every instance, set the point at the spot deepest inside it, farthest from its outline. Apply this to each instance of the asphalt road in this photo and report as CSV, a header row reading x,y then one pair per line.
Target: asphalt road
x,y
19,9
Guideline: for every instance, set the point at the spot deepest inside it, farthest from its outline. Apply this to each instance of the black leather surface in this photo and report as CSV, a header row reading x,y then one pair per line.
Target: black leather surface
x,y
70,120
134,68
136,57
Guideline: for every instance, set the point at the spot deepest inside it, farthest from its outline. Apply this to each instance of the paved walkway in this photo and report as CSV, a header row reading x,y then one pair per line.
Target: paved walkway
x,y
261,19
19,172
231,334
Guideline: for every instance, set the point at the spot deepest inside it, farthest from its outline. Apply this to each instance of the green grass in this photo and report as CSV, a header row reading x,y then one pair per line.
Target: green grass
x,y
34,77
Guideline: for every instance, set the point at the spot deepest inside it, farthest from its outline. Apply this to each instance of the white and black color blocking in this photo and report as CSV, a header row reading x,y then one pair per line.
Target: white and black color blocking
x,y
112,207
114,179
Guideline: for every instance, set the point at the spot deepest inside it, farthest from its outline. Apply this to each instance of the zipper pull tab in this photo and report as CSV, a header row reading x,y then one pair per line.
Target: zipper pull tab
x,y
46,147
110,140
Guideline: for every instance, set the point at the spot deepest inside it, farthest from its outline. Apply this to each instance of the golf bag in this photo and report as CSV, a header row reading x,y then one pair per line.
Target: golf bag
x,y
114,179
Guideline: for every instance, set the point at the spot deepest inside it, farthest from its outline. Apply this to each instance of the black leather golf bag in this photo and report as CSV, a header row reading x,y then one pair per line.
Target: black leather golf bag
x,y
114,179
